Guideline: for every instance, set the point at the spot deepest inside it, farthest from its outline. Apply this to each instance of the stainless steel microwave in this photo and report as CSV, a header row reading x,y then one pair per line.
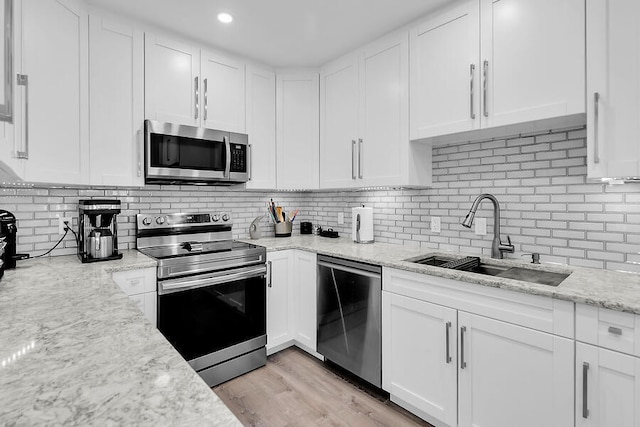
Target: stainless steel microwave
x,y
187,154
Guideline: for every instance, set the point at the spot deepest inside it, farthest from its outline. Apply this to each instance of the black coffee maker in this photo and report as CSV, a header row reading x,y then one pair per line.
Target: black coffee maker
x,y
98,230
8,231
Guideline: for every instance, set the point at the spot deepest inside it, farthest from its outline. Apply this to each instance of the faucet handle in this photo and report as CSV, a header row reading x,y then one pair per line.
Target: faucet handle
x,y
508,247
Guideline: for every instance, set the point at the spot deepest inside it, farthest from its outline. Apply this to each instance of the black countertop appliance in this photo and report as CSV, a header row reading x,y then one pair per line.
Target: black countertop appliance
x,y
8,230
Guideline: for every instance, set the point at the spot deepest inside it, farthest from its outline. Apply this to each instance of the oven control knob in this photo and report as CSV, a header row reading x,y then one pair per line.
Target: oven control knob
x,y
160,220
225,217
215,218
146,221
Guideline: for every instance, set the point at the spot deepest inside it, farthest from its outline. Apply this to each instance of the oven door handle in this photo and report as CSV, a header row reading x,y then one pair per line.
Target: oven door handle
x,y
180,285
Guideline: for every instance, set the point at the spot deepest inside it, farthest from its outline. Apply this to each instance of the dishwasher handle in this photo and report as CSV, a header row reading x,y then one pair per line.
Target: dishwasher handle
x,y
349,269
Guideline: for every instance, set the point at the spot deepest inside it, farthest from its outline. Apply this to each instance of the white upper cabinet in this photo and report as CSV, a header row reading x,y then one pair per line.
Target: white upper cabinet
x,y
445,90
485,64
297,103
172,81
365,120
613,88
533,59
339,123
52,99
223,92
261,127
116,99
185,85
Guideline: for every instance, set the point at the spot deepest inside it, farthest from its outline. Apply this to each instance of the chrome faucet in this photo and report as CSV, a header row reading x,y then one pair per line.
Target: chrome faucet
x,y
497,246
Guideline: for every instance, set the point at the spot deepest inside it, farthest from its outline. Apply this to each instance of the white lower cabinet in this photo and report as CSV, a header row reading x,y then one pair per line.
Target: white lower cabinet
x,y
140,286
453,367
419,357
607,388
279,300
305,298
512,376
291,300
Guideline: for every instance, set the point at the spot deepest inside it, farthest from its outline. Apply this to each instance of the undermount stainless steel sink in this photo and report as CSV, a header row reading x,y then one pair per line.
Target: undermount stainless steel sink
x,y
474,265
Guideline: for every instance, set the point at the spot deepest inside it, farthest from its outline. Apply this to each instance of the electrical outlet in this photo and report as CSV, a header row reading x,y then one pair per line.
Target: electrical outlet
x,y
481,226
435,224
61,225
340,218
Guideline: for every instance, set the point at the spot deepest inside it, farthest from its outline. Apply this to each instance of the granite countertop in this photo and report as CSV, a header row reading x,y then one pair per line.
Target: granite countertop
x,y
603,288
74,350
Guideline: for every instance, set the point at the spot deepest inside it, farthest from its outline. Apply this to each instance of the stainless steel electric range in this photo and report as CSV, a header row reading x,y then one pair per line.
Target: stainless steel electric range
x,y
211,291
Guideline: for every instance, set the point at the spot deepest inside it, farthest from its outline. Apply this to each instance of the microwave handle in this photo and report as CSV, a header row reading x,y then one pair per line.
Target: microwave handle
x,y
227,169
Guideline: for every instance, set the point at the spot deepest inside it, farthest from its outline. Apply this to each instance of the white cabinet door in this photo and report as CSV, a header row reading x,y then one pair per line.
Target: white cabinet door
x,y
384,121
54,108
510,375
297,105
445,90
613,88
533,59
261,127
116,99
223,92
339,123
607,388
173,88
279,300
419,363
305,297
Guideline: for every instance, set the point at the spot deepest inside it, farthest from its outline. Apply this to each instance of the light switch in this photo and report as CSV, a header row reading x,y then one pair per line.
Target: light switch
x,y
340,218
435,224
481,226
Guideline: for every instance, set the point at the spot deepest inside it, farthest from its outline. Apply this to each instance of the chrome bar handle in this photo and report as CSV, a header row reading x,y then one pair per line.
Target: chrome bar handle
x,y
447,357
463,364
360,158
353,159
585,388
197,100
485,72
596,128
23,80
615,331
249,161
139,151
269,277
472,70
206,99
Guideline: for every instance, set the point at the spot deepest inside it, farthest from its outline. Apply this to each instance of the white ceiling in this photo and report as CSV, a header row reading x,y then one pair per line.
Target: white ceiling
x,y
280,33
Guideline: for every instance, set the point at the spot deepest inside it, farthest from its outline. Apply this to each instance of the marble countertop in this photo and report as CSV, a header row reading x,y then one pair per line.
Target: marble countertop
x,y
74,350
603,288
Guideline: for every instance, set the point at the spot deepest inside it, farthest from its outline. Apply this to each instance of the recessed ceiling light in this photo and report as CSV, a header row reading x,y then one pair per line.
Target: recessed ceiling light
x,y
225,17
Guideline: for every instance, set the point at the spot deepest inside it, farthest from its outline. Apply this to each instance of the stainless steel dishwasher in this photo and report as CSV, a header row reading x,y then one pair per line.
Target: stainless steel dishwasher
x,y
349,316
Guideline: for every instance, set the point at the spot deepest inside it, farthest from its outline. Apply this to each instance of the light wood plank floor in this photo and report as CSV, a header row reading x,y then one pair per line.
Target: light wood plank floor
x,y
295,389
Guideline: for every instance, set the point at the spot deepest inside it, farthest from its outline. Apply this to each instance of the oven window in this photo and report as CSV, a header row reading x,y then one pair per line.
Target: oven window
x,y
204,320
168,151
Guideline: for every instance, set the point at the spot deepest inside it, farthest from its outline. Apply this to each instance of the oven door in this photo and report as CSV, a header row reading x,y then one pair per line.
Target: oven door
x,y
211,318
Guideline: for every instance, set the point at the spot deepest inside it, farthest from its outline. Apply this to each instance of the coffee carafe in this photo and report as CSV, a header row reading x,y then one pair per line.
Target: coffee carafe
x,y
98,230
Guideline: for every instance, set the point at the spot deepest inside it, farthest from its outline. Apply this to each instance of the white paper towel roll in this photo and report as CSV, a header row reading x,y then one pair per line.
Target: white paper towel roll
x,y
363,218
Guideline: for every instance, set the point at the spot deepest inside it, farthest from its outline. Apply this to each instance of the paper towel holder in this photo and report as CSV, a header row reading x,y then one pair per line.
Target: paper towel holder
x,y
358,226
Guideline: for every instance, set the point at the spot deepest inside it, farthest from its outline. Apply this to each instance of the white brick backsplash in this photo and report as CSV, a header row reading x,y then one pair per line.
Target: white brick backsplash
x,y
546,203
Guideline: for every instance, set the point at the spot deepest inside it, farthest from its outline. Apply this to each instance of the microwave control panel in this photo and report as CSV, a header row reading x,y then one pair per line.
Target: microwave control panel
x,y
238,158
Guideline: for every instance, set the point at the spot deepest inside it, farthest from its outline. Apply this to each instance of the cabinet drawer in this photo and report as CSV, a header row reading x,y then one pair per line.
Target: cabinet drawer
x,y
610,329
537,312
136,281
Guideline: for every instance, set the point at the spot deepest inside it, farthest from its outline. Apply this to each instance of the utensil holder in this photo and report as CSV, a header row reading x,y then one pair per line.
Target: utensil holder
x,y
283,229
